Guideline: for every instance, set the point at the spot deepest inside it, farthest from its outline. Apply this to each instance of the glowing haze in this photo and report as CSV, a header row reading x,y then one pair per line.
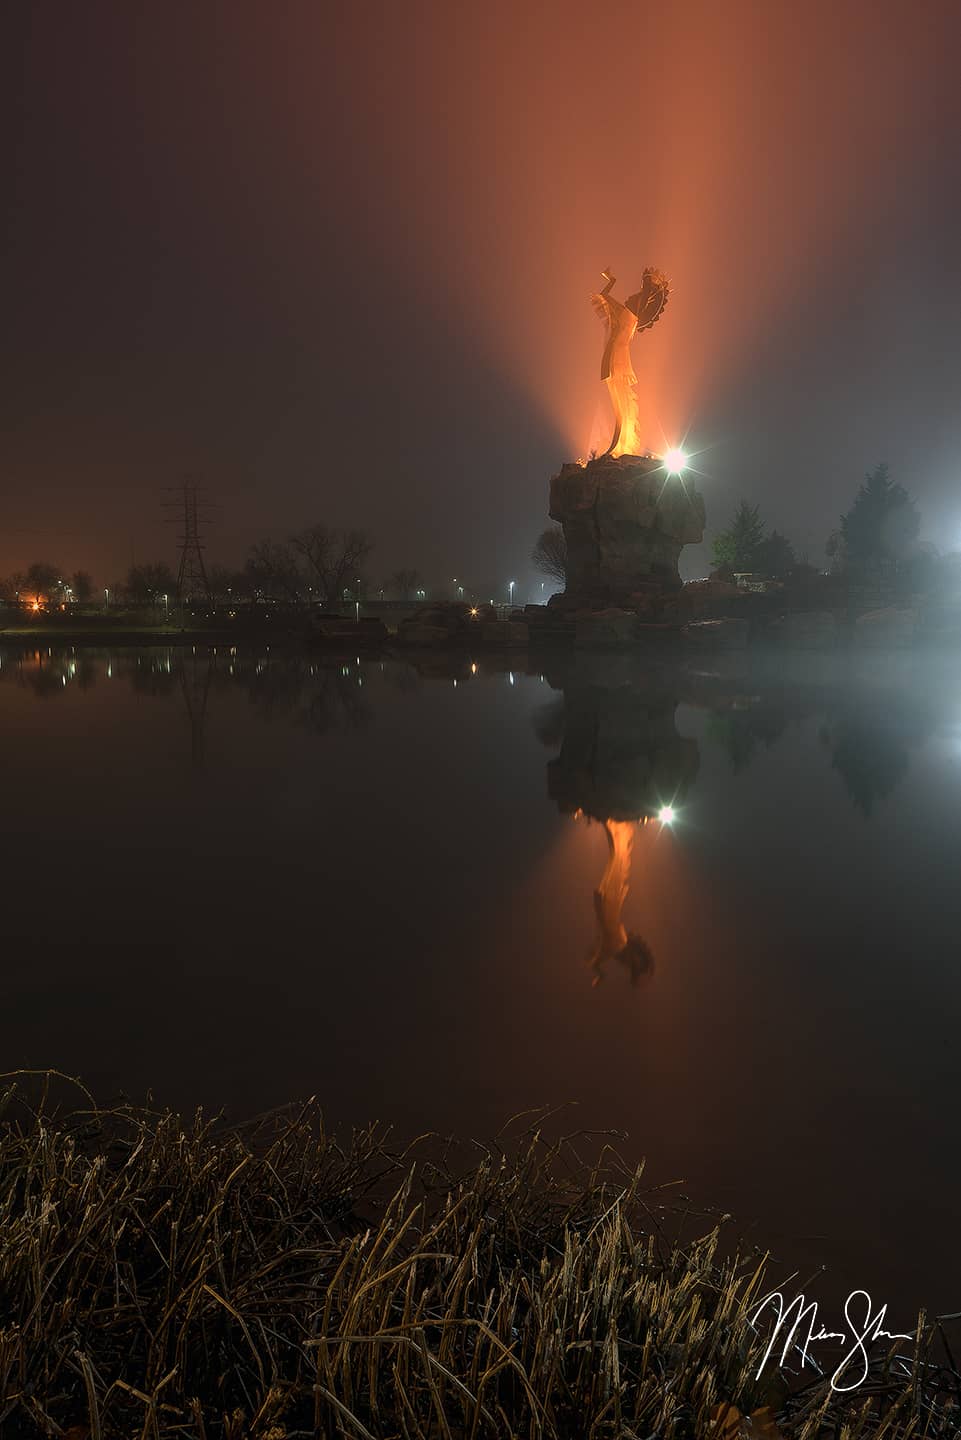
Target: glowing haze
x,y
339,264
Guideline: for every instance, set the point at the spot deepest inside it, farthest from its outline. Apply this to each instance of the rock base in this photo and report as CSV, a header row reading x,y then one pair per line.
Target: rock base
x,y
625,522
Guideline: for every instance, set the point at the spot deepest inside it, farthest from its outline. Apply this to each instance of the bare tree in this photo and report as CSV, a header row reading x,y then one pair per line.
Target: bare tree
x,y
272,571
404,582
148,584
550,554
332,559
43,580
225,584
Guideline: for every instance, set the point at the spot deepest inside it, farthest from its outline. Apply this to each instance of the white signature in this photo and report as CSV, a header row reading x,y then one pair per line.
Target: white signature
x,y
863,1332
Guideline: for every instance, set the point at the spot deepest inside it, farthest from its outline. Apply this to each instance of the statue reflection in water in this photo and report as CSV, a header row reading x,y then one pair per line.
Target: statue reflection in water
x,y
614,941
621,762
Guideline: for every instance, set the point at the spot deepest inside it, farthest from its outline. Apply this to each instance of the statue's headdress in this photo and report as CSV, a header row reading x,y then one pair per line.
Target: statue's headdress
x,y
648,303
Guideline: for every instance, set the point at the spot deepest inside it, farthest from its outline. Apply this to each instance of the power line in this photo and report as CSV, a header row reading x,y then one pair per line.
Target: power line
x,y
190,513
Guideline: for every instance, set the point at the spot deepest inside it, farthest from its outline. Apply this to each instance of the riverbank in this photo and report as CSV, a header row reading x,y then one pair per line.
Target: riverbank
x,y
172,1279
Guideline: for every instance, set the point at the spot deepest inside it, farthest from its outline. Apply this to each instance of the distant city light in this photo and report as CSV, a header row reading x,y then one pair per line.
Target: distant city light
x,y
666,814
675,461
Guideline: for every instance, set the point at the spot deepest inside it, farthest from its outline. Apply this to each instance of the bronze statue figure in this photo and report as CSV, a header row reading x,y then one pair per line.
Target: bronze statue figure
x,y
640,311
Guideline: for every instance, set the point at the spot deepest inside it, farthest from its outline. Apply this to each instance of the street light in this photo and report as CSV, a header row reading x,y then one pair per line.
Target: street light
x,y
510,591
106,597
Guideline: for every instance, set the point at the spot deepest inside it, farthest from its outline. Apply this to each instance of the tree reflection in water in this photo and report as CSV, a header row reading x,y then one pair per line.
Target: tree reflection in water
x,y
870,745
621,756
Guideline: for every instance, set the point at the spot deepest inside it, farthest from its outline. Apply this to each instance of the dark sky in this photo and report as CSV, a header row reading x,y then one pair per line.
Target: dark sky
x,y
334,261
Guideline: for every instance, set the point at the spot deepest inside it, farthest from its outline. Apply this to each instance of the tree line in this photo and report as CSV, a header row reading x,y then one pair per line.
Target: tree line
x,y
317,564
877,537
46,583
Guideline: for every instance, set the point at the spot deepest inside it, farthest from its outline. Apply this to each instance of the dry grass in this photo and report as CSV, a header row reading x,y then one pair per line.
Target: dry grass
x,y
159,1279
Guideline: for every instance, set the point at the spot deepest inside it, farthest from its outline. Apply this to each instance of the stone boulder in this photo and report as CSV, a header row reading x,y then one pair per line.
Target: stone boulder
x,y
724,634
625,522
700,599
508,633
341,629
433,625
604,629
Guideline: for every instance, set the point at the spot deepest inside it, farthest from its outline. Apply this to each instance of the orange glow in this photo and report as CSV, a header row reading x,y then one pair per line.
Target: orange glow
x,y
726,174
613,940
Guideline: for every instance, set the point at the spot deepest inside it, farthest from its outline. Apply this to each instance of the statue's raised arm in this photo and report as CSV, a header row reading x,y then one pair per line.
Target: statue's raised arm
x,y
642,310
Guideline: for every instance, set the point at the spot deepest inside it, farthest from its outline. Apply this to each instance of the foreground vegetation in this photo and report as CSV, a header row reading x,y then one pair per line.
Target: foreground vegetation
x,y
162,1279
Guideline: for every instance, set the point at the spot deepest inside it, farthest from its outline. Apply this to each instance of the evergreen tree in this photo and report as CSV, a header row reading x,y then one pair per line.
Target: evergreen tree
x,y
775,556
737,547
882,525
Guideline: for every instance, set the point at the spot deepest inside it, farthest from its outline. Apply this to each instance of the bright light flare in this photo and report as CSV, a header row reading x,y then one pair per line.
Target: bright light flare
x,y
675,461
666,814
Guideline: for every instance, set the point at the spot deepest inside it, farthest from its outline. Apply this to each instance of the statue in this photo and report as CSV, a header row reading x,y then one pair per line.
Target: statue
x,y
640,312
628,513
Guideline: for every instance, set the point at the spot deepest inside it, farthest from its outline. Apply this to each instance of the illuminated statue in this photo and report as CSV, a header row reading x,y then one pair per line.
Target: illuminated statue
x,y
613,940
640,312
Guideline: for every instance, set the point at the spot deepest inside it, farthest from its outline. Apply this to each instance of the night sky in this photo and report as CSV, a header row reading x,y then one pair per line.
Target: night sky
x,y
334,262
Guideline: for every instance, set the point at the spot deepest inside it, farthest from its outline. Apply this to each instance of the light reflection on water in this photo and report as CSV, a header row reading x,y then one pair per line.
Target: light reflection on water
x,y
236,877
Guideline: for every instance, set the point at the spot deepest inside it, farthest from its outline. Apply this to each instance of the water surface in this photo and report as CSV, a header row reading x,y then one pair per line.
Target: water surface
x,y
237,878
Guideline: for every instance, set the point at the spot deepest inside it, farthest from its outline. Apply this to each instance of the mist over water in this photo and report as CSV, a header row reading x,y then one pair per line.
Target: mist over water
x,y
238,878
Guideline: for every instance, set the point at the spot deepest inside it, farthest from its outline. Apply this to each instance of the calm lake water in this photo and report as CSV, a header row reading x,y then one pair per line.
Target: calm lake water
x,y
235,879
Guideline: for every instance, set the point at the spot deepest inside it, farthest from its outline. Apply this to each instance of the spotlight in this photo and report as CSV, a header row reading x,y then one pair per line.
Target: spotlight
x,y
675,461
666,814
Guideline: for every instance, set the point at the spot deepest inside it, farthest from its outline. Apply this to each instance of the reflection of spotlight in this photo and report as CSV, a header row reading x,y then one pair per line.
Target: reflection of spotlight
x,y
675,461
666,814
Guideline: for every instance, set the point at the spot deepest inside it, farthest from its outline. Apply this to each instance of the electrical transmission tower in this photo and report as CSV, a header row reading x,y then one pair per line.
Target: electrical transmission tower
x,y
190,512
195,687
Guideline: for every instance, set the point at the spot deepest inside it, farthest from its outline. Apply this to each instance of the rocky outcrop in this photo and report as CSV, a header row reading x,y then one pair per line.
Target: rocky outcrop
x,y
625,522
435,625
727,633
601,629
701,600
505,633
